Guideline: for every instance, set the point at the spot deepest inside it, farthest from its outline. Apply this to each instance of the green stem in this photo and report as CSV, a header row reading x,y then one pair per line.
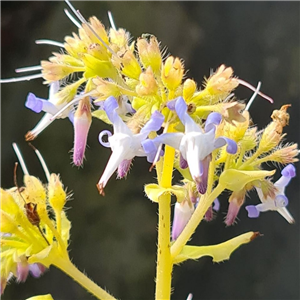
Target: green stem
x,y
195,220
164,261
67,267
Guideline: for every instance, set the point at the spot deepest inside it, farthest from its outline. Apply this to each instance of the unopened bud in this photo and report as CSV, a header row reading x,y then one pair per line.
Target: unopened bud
x,y
148,85
149,53
56,193
82,123
172,73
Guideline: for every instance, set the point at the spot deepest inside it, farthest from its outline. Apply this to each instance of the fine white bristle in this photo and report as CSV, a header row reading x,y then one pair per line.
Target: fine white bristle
x,y
28,69
23,78
111,21
20,158
50,42
253,96
72,18
43,163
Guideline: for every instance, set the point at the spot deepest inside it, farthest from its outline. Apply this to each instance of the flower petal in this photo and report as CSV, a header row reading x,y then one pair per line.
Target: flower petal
x,y
212,121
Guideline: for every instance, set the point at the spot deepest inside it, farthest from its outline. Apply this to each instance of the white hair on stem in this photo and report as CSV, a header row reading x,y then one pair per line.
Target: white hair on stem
x,y
20,158
253,96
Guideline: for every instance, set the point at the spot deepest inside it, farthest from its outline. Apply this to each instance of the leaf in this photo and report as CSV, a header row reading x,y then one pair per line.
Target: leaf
x,y
154,191
218,252
235,180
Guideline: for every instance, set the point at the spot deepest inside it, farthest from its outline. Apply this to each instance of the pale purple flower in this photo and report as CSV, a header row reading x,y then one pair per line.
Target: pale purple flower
x,y
195,144
182,214
124,144
279,201
50,107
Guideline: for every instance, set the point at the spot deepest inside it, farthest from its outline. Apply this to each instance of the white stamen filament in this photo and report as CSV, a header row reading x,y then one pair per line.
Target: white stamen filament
x,y
43,163
74,101
49,42
72,18
83,20
23,78
249,86
28,69
20,158
111,21
253,96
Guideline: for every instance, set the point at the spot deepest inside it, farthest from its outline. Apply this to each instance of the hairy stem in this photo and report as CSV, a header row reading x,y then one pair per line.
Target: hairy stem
x,y
196,218
67,267
164,261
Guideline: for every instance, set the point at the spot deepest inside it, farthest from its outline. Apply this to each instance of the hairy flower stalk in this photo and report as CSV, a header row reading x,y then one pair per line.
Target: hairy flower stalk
x,y
156,112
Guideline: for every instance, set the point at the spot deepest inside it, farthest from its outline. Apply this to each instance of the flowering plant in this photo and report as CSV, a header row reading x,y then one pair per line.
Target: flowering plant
x,y
158,113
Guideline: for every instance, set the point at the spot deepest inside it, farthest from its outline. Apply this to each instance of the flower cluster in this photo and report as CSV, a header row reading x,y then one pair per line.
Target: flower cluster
x,y
204,133
30,240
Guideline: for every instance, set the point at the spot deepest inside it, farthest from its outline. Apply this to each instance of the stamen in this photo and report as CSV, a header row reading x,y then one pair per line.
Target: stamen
x,y
28,69
50,42
111,20
249,86
72,19
20,158
24,78
253,96
83,20
76,99
42,161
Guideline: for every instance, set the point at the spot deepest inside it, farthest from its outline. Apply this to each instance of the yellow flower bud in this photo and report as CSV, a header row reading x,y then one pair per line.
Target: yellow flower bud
x,y
36,194
68,93
119,38
56,194
149,53
74,46
221,82
148,85
270,137
189,88
98,51
172,73
285,155
127,64
98,28
52,70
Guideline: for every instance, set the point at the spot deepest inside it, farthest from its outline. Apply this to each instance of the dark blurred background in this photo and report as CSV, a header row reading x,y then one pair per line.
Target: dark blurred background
x,y
113,239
